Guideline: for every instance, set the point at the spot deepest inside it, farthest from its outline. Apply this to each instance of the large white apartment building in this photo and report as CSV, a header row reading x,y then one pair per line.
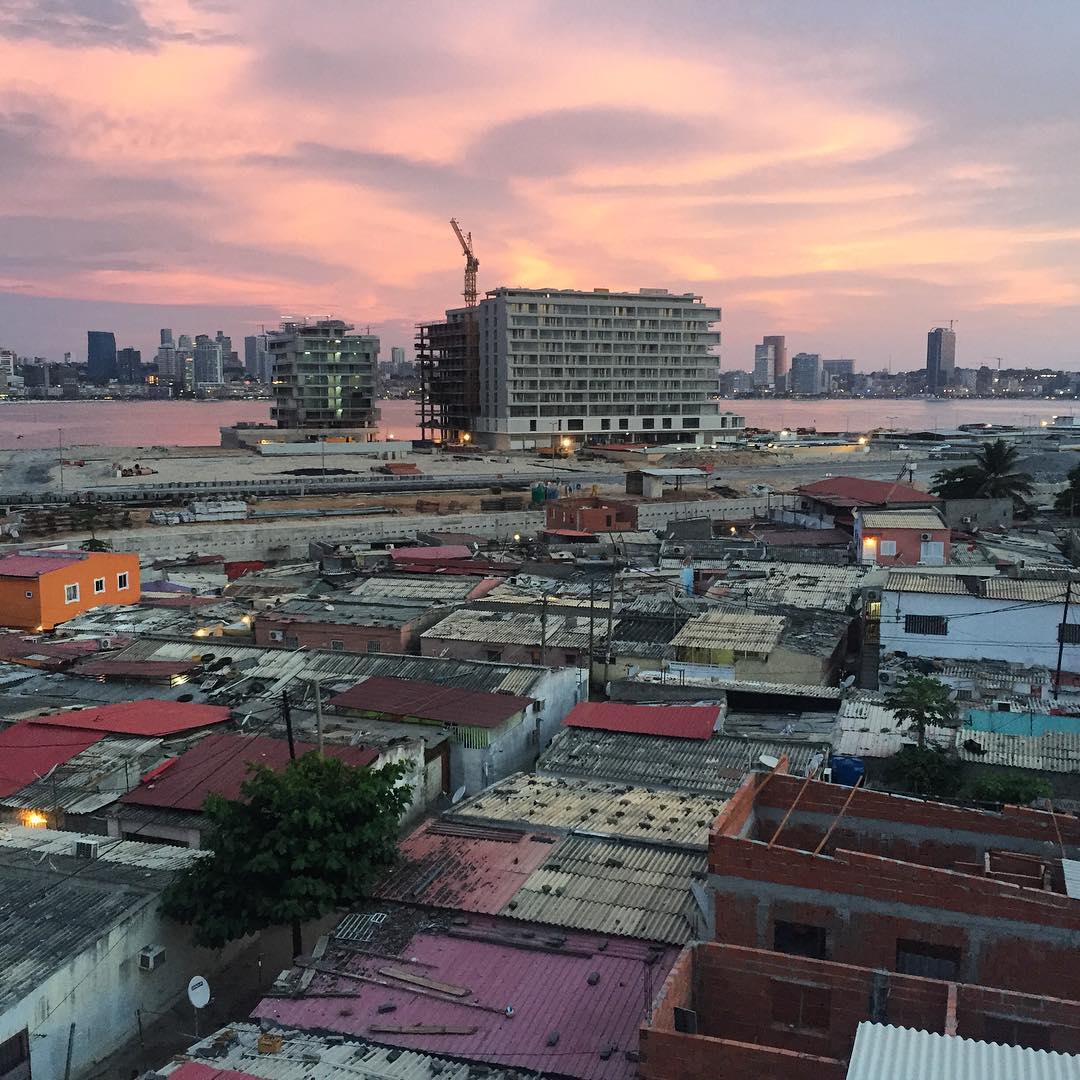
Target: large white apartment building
x,y
556,363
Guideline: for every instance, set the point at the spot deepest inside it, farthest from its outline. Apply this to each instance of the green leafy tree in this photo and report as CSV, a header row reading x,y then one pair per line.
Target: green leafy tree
x,y
94,544
992,475
1008,786
927,771
922,700
1068,499
297,845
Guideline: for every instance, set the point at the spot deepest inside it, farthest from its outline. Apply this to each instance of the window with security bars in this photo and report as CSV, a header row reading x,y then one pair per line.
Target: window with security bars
x,y
1069,633
926,624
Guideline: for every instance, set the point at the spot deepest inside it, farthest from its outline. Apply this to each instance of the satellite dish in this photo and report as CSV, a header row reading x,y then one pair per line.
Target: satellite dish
x,y
768,761
198,992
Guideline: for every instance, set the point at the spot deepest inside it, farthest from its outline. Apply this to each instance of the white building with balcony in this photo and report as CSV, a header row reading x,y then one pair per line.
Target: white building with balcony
x,y
558,364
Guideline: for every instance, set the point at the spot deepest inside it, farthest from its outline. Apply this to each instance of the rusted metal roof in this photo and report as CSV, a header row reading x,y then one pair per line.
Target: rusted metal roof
x,y
431,701
464,867
219,764
757,634
675,721
857,491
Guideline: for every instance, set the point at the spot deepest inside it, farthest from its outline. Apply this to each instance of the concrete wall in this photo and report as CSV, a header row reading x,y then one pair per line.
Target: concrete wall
x,y
979,629
284,541
102,988
657,515
983,513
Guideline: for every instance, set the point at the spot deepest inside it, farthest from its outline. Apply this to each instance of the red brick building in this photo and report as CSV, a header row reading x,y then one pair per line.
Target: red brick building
x,y
590,513
836,905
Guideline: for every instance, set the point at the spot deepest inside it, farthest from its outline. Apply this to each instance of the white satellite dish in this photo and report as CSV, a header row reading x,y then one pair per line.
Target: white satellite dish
x,y
198,992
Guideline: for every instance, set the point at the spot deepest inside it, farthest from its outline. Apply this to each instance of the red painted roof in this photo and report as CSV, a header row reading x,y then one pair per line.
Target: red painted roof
x,y
589,989
678,721
149,719
424,554
218,765
856,491
196,1070
28,752
431,701
464,867
31,566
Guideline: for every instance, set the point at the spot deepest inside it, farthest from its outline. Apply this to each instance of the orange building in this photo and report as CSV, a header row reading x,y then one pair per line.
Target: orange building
x,y
41,589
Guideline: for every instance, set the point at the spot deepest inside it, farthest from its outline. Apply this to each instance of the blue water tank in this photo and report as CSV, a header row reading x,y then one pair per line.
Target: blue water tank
x,y
847,770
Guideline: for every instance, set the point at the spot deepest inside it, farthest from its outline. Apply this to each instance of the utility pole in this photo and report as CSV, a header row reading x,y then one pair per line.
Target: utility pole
x,y
543,629
592,604
318,713
610,619
1061,637
287,717
60,443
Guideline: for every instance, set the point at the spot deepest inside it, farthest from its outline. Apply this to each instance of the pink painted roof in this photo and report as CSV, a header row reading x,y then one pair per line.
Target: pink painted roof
x,y
422,554
464,867
150,718
431,701
577,999
31,566
677,721
28,752
196,1070
218,765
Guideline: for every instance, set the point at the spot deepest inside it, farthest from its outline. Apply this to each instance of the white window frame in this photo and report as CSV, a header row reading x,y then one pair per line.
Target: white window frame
x,y
99,581
888,548
122,581
68,598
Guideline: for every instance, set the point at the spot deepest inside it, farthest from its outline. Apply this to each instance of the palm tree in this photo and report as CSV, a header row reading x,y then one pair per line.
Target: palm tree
x,y
992,475
921,700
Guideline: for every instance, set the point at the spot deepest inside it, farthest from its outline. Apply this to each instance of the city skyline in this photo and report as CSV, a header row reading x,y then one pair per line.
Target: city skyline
x,y
867,190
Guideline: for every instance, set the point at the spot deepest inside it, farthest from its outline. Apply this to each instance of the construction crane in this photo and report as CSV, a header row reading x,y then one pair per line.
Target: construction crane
x,y
472,263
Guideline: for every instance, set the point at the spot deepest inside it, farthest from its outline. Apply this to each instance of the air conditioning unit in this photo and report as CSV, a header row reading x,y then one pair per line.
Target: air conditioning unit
x,y
151,957
87,849
927,536
966,520
277,635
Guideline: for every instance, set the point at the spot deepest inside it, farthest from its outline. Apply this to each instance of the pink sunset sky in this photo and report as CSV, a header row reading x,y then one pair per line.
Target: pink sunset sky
x,y
848,174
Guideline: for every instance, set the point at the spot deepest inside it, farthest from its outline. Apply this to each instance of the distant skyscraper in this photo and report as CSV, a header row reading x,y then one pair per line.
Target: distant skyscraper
x,y
324,376
257,359
764,366
129,366
780,360
100,356
838,367
940,358
7,361
224,343
397,357
805,375
209,366
166,337
184,341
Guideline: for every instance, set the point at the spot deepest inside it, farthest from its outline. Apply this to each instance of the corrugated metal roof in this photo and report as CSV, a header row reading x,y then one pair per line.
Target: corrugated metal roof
x,y
604,809
909,581
1071,867
411,587
884,1052
27,752
902,519
233,1053
981,587
1056,751
431,701
149,718
746,686
54,907
425,554
463,867
1006,588
93,778
858,491
577,1000
612,887
517,628
716,767
758,634
674,721
865,728
219,764
805,585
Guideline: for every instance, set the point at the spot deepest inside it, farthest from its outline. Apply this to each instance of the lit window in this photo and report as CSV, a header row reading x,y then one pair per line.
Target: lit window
x,y
71,594
99,585
121,581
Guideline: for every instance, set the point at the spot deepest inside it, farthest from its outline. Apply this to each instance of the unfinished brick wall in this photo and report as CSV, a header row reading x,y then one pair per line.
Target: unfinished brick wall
x,y
1007,937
